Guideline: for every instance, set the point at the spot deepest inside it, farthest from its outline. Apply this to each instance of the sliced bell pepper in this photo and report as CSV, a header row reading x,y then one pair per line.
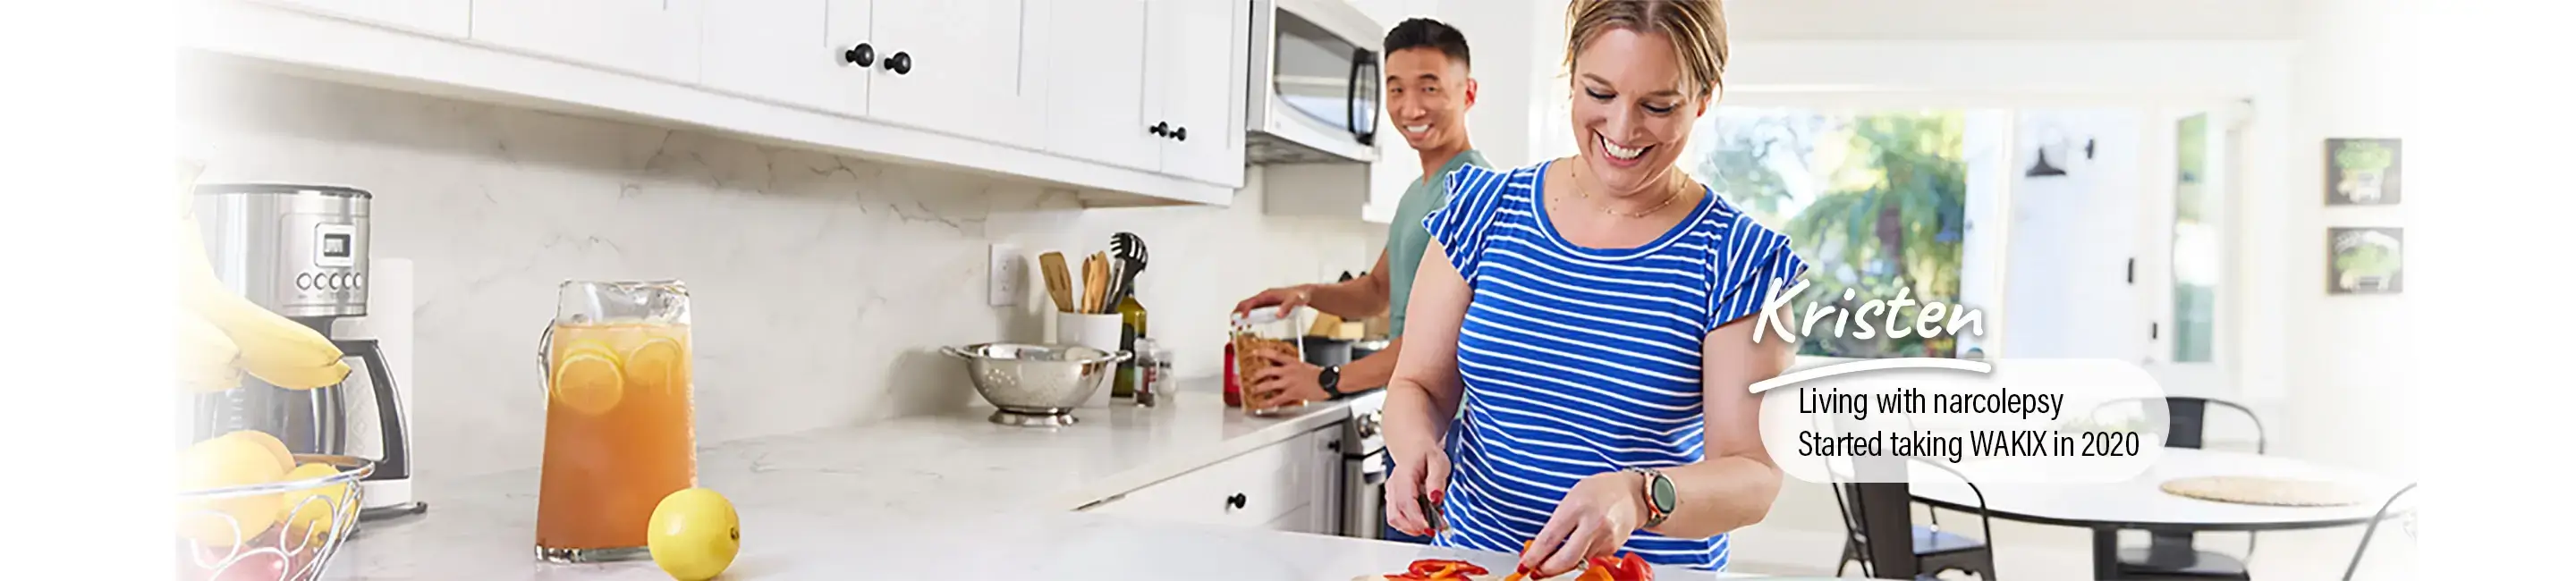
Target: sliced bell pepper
x,y
1439,570
1629,567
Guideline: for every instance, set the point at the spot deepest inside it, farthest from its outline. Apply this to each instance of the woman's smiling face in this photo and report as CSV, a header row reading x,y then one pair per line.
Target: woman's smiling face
x,y
1633,110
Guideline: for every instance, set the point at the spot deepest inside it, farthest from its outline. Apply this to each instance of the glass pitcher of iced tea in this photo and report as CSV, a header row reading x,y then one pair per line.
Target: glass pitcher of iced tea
x,y
619,428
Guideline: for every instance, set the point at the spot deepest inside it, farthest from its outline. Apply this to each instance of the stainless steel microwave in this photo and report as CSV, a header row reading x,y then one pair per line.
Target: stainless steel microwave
x,y
1315,83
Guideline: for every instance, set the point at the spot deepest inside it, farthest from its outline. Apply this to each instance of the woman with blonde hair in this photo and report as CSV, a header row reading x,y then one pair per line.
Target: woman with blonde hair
x,y
1589,326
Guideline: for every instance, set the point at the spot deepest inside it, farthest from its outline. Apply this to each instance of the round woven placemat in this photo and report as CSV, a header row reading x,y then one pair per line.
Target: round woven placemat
x,y
2262,491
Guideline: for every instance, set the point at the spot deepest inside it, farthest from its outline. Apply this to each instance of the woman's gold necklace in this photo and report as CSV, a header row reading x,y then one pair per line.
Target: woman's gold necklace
x,y
1605,208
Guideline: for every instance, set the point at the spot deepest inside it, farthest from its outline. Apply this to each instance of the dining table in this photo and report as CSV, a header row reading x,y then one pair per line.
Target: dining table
x,y
2141,503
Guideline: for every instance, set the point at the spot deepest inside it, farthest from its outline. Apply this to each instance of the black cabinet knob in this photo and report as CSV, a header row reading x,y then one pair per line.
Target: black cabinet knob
x,y
1236,501
1160,129
900,62
862,55
1181,133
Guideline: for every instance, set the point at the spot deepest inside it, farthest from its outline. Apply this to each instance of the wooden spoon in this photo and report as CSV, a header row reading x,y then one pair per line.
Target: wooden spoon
x,y
1059,281
1094,284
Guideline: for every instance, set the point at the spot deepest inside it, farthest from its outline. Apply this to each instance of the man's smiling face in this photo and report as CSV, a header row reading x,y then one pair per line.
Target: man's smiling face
x,y
1427,96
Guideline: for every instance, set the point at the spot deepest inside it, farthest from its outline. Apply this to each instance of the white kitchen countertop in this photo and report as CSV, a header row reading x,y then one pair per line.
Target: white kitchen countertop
x,y
948,496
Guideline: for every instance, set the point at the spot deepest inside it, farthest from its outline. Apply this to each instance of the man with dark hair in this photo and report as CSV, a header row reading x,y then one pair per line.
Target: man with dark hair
x,y
1428,92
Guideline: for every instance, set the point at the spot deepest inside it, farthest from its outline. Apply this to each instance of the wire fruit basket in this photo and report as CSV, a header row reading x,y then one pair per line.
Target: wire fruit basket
x,y
276,531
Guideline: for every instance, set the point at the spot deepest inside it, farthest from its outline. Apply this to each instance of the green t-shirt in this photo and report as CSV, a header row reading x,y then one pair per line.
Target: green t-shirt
x,y
1406,240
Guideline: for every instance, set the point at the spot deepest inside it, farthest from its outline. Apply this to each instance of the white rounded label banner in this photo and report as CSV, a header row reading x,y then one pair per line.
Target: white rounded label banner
x,y
2061,421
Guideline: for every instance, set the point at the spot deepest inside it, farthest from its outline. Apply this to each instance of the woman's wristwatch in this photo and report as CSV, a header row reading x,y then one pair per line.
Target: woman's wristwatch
x,y
1661,497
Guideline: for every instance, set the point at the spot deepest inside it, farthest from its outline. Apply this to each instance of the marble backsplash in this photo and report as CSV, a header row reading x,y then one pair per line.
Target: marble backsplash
x,y
821,285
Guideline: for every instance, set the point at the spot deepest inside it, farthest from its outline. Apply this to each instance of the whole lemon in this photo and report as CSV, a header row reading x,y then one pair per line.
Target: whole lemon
x,y
274,446
694,534
223,462
309,512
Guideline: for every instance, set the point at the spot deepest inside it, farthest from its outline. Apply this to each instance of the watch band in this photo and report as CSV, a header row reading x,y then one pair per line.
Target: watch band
x,y
1655,511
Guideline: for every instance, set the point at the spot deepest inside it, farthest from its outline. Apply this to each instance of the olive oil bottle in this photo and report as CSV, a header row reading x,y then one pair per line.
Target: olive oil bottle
x,y
1131,318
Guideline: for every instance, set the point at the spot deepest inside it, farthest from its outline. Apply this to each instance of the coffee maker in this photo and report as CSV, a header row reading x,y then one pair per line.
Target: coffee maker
x,y
301,251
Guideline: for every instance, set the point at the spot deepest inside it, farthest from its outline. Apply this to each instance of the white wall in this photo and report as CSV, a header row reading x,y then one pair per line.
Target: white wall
x,y
2350,376
820,284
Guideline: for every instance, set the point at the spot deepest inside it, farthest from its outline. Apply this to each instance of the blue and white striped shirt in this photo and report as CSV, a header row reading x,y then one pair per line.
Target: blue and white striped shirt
x,y
1579,361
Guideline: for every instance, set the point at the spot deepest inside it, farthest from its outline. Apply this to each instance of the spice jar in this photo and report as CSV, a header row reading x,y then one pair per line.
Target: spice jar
x,y
1254,334
1153,373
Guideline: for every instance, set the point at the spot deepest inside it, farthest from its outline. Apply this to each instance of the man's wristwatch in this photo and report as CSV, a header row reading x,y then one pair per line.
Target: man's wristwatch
x,y
1661,497
1330,379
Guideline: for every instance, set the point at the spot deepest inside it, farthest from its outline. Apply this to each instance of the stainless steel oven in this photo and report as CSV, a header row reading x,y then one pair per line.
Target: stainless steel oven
x,y
1364,469
1315,83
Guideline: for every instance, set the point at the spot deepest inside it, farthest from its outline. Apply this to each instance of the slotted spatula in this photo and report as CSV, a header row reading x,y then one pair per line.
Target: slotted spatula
x,y
1129,251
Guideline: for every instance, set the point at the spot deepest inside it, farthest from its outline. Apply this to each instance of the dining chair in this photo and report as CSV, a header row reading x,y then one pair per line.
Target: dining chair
x,y
1934,551
2186,420
2373,528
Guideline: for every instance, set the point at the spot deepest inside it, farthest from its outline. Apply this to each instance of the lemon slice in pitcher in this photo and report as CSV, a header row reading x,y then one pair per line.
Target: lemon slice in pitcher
x,y
588,381
657,365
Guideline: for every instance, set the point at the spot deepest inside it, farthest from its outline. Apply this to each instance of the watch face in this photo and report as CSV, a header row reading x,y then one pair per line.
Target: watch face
x,y
1664,495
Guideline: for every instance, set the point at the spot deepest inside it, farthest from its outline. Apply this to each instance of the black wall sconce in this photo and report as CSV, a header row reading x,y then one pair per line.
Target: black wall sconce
x,y
2042,168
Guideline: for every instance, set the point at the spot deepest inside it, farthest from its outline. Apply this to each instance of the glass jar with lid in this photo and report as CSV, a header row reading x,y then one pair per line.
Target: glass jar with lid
x,y
1258,337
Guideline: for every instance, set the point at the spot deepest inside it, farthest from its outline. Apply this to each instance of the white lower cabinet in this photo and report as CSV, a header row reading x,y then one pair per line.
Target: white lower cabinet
x,y
1274,487
1301,520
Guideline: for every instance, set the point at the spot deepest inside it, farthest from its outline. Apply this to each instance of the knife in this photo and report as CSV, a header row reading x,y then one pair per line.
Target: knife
x,y
1431,512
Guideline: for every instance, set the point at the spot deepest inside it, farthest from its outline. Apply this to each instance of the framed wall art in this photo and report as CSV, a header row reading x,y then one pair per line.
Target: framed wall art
x,y
2365,261
2362,172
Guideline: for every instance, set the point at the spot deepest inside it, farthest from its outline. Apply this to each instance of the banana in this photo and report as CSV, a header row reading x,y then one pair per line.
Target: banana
x,y
304,377
272,347
206,356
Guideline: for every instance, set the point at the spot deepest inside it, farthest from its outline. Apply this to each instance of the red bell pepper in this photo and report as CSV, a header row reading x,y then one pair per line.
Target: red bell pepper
x,y
1629,567
1632,568
1439,570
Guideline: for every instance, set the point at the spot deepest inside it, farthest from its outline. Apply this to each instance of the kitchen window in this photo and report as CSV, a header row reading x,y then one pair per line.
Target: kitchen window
x,y
2198,233
1873,200
2075,232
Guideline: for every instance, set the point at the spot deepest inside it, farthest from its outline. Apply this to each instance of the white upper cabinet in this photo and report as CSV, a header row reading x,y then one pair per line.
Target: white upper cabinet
x,y
1195,64
955,66
446,18
806,53
655,38
1096,89
1110,97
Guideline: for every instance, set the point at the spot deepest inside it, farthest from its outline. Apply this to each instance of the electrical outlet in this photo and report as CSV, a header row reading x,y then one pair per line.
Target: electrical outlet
x,y
1007,276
